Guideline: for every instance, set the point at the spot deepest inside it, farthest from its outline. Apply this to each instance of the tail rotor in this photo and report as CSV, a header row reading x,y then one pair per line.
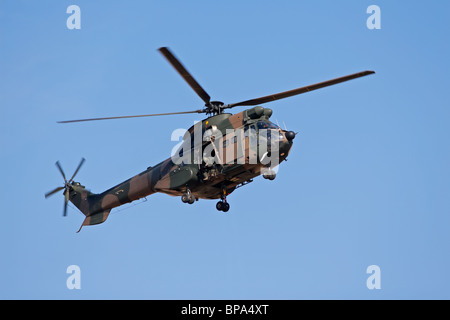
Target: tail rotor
x,y
67,184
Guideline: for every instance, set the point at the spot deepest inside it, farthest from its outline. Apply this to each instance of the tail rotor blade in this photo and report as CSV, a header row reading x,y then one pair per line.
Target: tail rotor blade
x,y
66,200
58,165
78,168
48,194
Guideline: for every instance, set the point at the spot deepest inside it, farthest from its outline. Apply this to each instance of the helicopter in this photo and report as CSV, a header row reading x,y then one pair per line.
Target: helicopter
x,y
218,155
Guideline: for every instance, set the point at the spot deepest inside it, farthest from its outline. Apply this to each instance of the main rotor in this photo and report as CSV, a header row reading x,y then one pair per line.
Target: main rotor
x,y
212,108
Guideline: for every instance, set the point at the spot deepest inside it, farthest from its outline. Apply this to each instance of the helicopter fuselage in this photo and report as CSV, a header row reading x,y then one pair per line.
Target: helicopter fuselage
x,y
218,155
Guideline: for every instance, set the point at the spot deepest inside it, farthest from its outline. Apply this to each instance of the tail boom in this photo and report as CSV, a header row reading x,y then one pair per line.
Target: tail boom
x,y
96,207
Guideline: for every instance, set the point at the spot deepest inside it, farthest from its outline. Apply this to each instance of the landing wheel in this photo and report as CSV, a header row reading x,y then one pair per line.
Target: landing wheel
x,y
223,206
188,198
269,174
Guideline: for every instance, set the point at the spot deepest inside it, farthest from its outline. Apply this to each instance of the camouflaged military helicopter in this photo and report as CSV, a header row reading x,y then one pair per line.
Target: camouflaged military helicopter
x,y
219,154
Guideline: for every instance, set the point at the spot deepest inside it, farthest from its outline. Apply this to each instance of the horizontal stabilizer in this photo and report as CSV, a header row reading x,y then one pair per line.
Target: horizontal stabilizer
x,y
96,218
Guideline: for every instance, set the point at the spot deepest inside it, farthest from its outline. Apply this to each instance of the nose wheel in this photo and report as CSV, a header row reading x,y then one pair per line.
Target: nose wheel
x,y
269,174
188,197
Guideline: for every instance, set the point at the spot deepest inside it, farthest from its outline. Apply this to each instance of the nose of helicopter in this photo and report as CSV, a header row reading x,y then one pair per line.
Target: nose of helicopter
x,y
290,135
286,144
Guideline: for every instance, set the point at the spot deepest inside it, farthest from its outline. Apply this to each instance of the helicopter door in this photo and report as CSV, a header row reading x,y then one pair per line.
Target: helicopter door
x,y
233,151
239,146
251,144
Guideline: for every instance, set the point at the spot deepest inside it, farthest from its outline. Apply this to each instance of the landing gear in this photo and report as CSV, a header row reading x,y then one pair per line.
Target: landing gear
x,y
269,174
223,205
188,197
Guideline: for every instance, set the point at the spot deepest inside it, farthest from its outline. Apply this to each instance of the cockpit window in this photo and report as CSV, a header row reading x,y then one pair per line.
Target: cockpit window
x,y
269,130
266,125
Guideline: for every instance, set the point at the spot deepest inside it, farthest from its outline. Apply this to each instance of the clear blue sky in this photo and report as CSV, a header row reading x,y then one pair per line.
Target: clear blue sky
x,y
367,182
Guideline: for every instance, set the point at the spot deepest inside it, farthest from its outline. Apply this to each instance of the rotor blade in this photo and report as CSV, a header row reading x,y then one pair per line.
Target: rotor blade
x,y
61,170
78,168
48,194
185,74
138,116
290,93
66,200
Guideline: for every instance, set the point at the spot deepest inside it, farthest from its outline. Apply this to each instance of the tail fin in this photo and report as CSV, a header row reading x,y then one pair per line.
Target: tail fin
x,y
90,204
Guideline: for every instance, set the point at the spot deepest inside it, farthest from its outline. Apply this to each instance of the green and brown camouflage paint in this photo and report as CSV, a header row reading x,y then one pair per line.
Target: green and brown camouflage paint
x,y
174,179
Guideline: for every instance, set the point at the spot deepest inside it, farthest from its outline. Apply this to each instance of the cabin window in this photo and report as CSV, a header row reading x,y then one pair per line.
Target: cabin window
x,y
266,125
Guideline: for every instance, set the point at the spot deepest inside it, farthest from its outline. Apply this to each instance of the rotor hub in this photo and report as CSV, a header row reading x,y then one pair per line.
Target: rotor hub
x,y
214,107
